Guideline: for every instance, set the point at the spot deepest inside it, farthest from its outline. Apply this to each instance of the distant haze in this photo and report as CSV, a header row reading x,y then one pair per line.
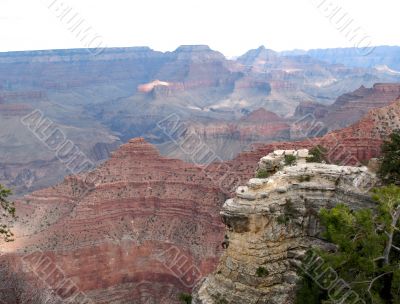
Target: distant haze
x,y
231,27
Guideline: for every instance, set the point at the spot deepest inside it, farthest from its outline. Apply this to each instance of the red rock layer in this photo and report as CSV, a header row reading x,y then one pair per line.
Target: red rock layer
x,y
142,224
108,230
353,106
259,125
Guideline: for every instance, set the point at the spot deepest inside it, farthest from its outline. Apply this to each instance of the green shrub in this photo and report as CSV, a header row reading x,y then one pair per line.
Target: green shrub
x,y
185,298
290,160
262,173
309,292
318,155
262,272
283,219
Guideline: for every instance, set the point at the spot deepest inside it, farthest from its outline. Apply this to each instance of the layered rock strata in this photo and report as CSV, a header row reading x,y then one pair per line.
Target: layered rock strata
x,y
271,223
139,226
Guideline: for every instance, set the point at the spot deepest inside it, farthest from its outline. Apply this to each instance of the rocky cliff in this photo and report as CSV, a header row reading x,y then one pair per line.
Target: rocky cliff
x,y
271,223
351,107
141,226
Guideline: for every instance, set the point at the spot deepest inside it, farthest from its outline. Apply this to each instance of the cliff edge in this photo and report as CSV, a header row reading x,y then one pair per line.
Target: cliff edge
x,y
271,223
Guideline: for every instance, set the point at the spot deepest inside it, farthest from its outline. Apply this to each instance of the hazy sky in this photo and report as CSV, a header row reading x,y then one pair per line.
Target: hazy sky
x,y
230,26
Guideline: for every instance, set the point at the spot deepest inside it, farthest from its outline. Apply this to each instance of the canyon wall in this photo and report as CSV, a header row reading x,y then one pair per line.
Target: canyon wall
x,y
139,225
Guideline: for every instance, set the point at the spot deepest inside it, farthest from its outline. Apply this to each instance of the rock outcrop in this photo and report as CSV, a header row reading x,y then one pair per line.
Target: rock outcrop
x,y
271,223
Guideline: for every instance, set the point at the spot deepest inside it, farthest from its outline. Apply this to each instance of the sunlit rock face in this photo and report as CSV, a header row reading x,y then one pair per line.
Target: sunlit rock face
x,y
271,223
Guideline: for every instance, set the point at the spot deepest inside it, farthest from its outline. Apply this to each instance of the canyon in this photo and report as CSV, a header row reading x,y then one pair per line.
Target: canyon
x,y
102,101
144,226
171,139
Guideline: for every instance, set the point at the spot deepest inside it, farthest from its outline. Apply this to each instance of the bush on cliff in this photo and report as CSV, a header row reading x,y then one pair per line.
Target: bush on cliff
x,y
290,160
367,254
262,173
262,272
390,161
185,298
7,211
318,155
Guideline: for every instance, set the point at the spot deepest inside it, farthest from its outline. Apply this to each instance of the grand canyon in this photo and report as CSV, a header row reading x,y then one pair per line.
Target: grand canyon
x,y
133,171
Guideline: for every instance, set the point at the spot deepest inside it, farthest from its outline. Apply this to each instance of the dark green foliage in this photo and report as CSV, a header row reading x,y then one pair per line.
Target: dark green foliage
x,y
262,272
290,160
367,255
185,298
309,292
318,154
262,173
283,219
7,212
390,161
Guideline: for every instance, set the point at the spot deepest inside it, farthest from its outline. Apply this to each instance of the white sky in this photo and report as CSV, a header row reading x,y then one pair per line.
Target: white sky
x,y
229,26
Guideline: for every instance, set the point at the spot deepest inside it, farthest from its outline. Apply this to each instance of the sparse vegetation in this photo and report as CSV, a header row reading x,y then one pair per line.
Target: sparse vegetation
x,y
283,219
185,298
262,272
290,160
262,173
390,161
18,289
7,213
318,154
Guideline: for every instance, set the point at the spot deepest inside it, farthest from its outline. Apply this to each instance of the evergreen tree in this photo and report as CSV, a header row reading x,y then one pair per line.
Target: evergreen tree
x,y
390,160
367,254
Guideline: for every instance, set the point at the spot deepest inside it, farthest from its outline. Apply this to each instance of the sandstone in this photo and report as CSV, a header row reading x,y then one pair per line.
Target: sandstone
x,y
273,232
256,183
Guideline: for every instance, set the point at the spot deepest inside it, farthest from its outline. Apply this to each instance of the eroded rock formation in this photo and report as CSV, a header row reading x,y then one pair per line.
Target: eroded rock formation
x,y
271,223
350,107
139,226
